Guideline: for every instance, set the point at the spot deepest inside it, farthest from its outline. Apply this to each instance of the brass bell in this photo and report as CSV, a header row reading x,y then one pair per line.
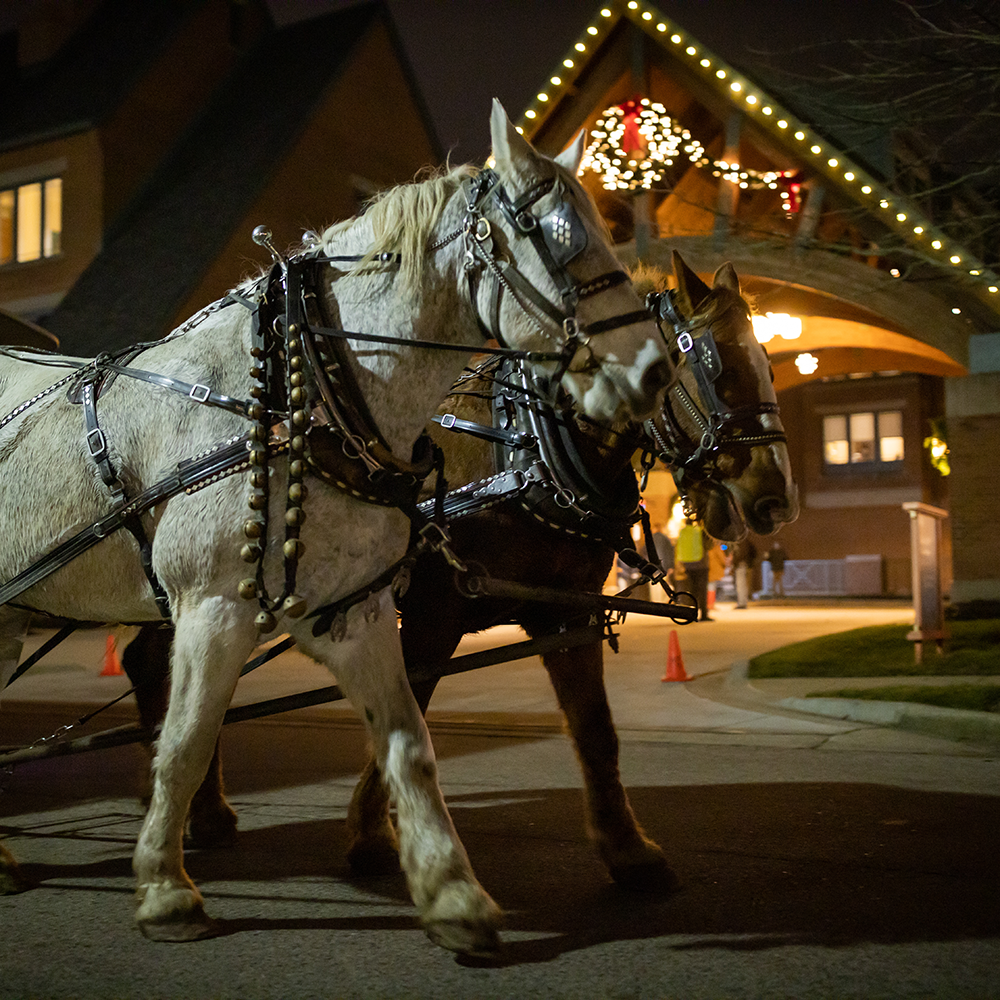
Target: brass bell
x,y
293,329
293,345
297,395
296,468
298,444
258,479
257,373
294,606
297,492
293,548
257,501
258,456
256,352
256,391
295,363
266,622
247,589
300,418
250,553
253,528
295,517
258,433
255,411
296,378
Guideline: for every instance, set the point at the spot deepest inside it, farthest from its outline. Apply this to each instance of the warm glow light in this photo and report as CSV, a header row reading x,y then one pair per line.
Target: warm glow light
x,y
956,310
721,74
605,12
568,63
955,259
901,216
800,136
592,30
676,39
918,229
529,114
807,363
936,244
814,149
771,325
556,81
866,190
849,176
706,63
833,162
766,110
543,97
994,289
580,47
736,87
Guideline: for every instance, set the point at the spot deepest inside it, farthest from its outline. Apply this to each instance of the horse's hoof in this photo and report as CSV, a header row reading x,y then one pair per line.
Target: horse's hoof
x,y
217,829
465,919
374,857
464,938
11,879
194,926
652,876
12,882
173,913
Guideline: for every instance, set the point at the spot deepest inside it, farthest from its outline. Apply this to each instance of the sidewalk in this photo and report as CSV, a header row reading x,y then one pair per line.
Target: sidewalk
x,y
718,699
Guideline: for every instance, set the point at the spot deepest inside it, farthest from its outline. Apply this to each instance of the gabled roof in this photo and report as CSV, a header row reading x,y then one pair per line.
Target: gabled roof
x,y
158,251
80,87
550,114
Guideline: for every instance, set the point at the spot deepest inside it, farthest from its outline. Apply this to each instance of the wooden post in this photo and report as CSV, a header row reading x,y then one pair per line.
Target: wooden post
x,y
925,554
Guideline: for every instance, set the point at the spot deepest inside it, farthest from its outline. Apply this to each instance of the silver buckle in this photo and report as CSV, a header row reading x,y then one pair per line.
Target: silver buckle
x,y
685,342
97,443
448,421
200,393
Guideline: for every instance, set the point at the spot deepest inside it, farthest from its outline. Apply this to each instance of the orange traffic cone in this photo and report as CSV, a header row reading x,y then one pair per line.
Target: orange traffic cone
x,y
675,662
112,665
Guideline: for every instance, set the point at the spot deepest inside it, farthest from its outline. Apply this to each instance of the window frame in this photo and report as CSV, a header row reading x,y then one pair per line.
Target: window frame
x,y
49,248
875,465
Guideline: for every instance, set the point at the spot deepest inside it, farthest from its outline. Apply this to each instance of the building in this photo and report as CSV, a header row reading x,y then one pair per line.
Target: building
x,y
145,141
883,328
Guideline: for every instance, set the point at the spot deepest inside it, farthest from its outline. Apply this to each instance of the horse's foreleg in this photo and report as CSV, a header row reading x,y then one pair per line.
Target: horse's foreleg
x,y
577,676
146,660
13,628
372,845
211,644
455,910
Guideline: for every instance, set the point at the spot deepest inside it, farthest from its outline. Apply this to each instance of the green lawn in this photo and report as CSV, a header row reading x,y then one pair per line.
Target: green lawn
x,y
970,697
884,651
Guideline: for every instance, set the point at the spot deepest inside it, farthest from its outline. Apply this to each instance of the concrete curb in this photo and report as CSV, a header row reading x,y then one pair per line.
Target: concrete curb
x,y
929,720
948,723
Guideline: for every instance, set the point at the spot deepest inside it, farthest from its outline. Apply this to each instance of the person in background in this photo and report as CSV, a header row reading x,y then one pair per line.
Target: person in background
x,y
744,558
776,557
692,554
716,571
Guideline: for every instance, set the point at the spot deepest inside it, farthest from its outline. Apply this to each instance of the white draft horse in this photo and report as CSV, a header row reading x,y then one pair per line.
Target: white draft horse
x,y
517,251
539,539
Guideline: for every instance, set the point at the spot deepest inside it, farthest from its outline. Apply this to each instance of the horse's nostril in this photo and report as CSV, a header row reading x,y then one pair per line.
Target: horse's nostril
x,y
770,508
656,377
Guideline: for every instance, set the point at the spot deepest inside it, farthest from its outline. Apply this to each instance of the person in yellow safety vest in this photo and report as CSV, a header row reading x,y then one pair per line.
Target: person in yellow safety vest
x,y
691,553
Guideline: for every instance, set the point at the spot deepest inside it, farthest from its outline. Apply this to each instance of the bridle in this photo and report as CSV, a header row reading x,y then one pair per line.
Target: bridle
x,y
721,426
558,237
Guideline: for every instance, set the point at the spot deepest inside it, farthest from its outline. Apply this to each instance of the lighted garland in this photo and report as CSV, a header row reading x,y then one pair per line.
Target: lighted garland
x,y
634,141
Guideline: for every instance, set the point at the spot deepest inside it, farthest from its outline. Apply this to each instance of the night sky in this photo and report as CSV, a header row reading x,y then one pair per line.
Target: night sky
x,y
465,52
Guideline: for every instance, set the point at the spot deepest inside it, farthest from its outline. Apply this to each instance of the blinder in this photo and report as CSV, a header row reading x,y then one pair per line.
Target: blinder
x,y
720,425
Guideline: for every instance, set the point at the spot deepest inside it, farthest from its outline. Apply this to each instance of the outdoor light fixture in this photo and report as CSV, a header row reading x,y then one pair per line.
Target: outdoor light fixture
x,y
807,363
772,325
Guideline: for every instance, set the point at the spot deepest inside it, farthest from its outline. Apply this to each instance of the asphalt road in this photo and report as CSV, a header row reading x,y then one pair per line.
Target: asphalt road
x,y
816,858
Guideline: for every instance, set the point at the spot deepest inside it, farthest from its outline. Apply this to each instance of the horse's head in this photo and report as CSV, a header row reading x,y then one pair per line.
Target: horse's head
x,y
719,428
545,279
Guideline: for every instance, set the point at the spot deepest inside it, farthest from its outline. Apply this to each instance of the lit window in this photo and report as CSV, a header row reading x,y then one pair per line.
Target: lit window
x,y
863,438
31,221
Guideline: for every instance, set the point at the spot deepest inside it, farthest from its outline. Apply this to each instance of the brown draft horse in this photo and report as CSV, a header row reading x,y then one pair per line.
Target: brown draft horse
x,y
739,484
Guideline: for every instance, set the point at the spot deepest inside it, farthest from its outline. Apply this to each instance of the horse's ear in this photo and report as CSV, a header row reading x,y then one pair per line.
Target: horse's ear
x,y
571,156
510,148
691,290
726,277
